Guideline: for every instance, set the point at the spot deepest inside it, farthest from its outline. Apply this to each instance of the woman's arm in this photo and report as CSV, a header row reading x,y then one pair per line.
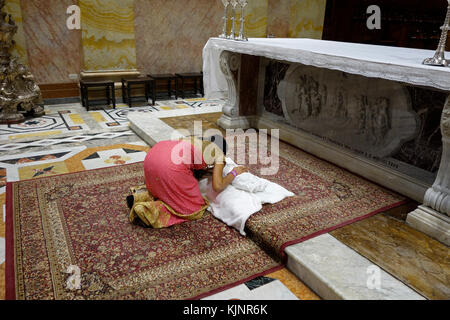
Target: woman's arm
x,y
220,183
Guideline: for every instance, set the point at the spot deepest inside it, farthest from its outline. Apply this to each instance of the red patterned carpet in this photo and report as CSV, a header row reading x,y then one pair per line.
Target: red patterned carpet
x,y
80,219
328,197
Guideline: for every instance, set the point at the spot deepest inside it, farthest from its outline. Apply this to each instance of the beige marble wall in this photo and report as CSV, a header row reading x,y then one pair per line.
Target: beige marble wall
x,y
54,52
278,19
171,34
306,18
108,37
13,8
256,15
150,35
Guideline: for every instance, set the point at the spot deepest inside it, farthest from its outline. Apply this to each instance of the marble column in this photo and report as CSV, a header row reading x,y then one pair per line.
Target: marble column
x,y
432,217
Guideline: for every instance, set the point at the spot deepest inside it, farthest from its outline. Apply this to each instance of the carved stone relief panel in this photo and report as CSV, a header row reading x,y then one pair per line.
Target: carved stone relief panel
x,y
274,72
371,116
425,150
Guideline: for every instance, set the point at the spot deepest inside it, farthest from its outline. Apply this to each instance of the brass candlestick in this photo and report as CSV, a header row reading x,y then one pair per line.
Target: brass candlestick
x,y
439,57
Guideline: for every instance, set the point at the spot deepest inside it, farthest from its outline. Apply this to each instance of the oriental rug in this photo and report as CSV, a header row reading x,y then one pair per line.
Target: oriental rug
x,y
81,220
76,224
327,197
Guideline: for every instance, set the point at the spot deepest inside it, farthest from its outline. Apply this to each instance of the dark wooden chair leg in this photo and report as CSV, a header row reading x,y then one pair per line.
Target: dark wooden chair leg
x,y
124,95
202,88
154,90
113,93
129,98
169,88
87,98
195,86
182,88
108,96
146,92
82,95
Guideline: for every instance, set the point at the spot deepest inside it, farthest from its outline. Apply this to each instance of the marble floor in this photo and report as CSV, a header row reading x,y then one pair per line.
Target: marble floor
x,y
43,151
411,256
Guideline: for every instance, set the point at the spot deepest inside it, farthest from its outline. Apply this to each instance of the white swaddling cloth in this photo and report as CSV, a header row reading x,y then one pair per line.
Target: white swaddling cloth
x,y
242,198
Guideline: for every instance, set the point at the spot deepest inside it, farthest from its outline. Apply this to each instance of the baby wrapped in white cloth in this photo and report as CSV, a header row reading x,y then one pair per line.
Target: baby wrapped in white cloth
x,y
242,198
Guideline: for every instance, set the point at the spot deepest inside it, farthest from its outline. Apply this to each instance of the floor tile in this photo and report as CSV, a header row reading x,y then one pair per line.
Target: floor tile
x,y
411,256
336,272
294,284
274,290
46,125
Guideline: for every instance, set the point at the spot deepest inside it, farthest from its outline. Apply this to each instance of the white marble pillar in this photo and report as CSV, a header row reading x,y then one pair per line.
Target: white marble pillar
x,y
432,217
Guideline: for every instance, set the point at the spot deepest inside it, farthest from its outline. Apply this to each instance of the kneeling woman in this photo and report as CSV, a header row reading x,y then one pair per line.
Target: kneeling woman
x,y
172,194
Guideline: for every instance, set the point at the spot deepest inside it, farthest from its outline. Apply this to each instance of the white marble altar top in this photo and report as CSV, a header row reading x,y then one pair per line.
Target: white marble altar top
x,y
391,63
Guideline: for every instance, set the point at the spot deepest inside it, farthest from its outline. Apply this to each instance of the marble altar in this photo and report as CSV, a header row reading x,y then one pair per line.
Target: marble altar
x,y
374,110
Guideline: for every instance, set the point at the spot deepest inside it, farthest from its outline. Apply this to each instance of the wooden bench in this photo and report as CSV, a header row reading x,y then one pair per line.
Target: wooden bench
x,y
106,85
194,76
169,77
128,84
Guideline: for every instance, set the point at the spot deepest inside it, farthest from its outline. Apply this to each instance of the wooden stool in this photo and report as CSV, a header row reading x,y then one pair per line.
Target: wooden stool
x,y
127,85
196,77
169,77
108,86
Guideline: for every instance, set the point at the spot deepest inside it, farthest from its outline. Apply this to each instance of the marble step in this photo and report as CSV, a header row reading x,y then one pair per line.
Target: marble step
x,y
336,272
151,129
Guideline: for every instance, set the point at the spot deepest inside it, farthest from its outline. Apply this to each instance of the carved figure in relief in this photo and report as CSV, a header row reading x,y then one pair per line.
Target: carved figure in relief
x,y
381,122
311,98
340,109
316,100
363,111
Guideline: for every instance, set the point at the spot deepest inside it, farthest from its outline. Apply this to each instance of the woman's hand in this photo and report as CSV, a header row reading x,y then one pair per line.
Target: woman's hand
x,y
240,170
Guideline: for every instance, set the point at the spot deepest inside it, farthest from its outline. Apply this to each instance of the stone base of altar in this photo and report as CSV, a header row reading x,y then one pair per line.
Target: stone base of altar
x,y
430,222
378,173
227,122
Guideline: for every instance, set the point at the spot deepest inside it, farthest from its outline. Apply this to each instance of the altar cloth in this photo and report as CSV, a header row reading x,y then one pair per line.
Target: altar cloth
x,y
390,63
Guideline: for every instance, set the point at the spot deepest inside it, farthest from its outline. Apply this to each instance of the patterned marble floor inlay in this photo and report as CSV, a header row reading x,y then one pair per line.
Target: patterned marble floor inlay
x,y
52,124
411,256
279,285
63,140
113,118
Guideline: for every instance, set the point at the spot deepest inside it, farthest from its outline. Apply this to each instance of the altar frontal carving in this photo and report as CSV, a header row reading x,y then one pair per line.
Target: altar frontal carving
x,y
371,116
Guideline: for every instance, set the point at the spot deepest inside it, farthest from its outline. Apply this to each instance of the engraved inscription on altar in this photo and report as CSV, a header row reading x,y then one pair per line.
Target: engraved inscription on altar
x,y
371,116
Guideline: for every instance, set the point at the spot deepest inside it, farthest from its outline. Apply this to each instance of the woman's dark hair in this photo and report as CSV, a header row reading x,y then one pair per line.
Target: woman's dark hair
x,y
219,141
